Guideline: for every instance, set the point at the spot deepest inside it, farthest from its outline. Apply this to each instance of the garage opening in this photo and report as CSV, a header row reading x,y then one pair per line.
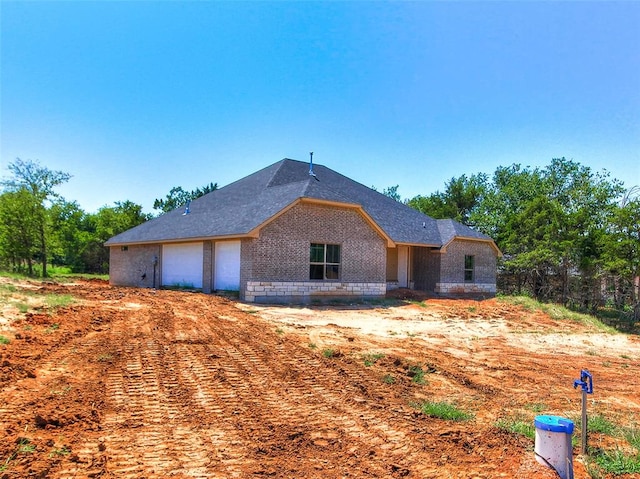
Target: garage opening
x,y
182,265
227,266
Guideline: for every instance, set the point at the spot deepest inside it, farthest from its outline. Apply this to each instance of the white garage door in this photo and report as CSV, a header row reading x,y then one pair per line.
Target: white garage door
x,y
182,265
227,265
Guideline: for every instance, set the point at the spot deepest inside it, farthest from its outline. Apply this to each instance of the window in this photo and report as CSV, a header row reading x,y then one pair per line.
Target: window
x,y
325,261
124,248
469,262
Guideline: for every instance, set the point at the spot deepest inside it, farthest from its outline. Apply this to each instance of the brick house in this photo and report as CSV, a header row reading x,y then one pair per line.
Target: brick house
x,y
288,233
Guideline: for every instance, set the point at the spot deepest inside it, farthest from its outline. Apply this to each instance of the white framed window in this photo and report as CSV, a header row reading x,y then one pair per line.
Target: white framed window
x,y
469,266
324,261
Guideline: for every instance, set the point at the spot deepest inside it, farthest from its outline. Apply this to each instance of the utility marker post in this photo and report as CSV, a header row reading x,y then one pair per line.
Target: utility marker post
x,y
586,382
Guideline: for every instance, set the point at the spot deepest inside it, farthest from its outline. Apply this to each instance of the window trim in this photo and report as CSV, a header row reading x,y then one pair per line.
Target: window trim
x,y
469,270
324,263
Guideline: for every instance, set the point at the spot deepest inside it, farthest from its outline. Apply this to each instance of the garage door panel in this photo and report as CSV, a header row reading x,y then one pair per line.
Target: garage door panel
x,y
227,266
182,265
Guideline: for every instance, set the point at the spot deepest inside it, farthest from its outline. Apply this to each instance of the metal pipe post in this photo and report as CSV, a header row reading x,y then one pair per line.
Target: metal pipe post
x,y
584,422
586,383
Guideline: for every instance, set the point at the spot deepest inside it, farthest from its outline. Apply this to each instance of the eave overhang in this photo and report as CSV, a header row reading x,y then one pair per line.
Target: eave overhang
x,y
479,240
305,200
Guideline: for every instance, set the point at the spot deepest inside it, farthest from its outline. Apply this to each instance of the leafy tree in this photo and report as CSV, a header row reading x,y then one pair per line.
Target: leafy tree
x,y
434,205
621,249
107,222
71,233
459,199
392,192
178,197
558,227
40,183
19,229
510,190
113,220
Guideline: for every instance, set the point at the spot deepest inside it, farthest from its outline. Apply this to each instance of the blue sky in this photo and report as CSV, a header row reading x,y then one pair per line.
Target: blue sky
x,y
132,98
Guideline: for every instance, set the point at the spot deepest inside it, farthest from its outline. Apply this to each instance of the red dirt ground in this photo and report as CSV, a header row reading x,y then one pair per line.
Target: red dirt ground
x,y
133,383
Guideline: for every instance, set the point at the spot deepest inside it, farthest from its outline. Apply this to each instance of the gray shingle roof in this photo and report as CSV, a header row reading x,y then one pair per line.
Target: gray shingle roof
x,y
242,206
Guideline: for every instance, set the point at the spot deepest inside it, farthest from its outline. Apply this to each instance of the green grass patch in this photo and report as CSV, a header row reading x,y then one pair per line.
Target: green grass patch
x,y
599,423
12,275
25,446
557,312
388,379
58,300
372,358
24,299
444,410
22,307
537,407
632,435
7,289
60,451
615,462
4,340
416,373
52,328
517,425
381,302
422,304
328,353
70,277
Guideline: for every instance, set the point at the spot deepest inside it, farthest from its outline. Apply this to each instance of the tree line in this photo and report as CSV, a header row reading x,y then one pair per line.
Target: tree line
x,y
567,234
39,228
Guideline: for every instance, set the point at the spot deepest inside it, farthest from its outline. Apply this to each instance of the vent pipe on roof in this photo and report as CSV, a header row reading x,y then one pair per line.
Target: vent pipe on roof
x,y
311,173
186,209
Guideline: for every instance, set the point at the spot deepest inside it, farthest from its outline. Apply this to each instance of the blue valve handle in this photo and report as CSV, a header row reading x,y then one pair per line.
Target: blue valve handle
x,y
585,381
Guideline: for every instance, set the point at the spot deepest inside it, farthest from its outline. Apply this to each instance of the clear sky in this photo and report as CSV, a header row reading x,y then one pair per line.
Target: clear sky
x,y
132,98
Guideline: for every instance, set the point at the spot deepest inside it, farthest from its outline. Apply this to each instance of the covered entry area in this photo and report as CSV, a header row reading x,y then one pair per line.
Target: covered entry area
x,y
398,267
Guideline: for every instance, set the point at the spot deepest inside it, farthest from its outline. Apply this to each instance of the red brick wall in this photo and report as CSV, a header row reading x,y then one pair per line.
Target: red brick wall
x,y
281,253
452,268
127,267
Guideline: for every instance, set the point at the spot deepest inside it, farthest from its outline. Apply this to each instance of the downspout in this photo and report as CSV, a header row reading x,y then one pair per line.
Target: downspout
x,y
155,265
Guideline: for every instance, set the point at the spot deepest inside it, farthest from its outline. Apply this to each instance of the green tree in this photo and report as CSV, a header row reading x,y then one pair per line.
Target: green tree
x,y
392,192
71,231
621,249
40,183
178,197
19,229
553,225
458,201
504,197
107,222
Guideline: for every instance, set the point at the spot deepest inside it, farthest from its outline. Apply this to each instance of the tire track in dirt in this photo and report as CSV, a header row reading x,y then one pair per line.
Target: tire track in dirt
x,y
189,386
243,392
146,396
313,405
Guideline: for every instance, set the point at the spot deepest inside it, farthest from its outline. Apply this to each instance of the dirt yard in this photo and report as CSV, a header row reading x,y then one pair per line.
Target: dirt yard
x,y
132,383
